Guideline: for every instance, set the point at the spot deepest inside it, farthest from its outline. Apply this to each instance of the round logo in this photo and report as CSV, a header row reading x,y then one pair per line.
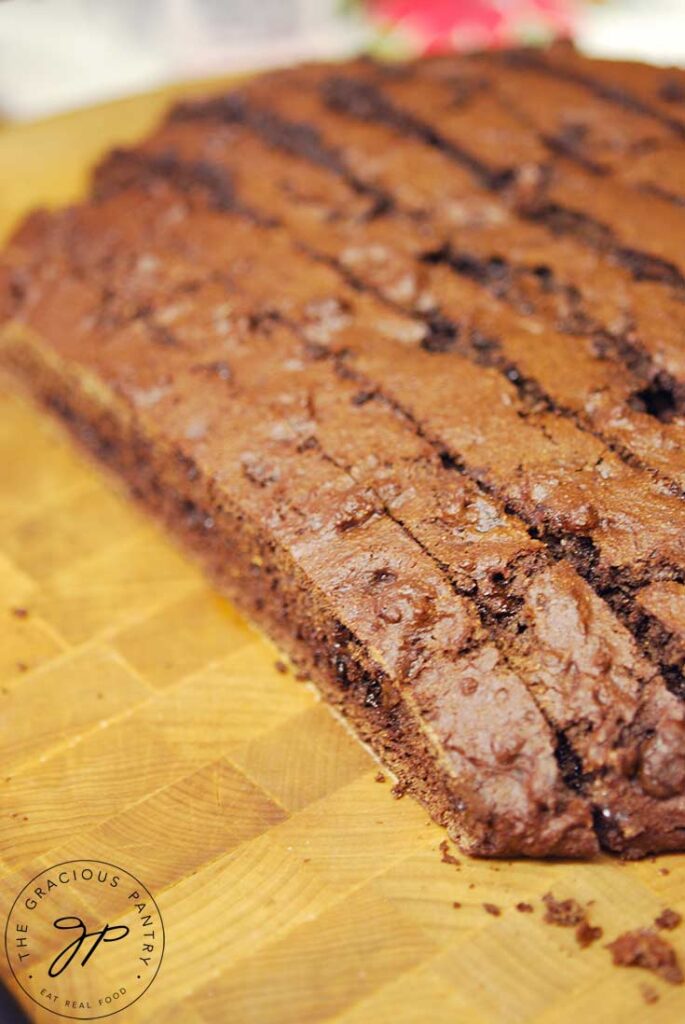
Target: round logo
x,y
84,939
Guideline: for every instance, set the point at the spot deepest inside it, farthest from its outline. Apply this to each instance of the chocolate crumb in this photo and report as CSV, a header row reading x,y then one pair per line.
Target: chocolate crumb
x,y
457,905
649,994
570,914
20,613
492,908
644,948
22,666
472,885
668,919
524,908
302,677
398,790
380,777
445,856
565,913
586,934
281,666
664,871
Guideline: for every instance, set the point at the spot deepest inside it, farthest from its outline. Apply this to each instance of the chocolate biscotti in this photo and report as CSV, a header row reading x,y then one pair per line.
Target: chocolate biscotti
x,y
398,351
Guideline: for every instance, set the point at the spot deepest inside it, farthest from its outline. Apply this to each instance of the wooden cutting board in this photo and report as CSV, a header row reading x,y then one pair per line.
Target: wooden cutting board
x,y
145,724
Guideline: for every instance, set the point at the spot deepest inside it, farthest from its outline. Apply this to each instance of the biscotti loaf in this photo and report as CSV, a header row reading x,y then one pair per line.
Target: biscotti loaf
x,y
397,352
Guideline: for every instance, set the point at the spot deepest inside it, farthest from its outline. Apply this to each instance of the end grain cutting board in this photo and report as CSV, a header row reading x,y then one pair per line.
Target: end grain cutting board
x,y
145,724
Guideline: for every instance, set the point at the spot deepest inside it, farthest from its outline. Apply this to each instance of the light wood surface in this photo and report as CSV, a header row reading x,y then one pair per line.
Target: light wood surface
x,y
145,723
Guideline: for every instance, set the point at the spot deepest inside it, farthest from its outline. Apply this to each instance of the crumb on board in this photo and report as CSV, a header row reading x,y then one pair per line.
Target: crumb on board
x,y
524,908
649,994
380,777
492,908
280,666
645,948
20,613
446,856
565,913
668,919
664,871
570,914
587,933
398,790
457,905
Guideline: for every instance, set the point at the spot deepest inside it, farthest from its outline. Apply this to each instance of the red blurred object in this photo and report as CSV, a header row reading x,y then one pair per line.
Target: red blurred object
x,y
439,25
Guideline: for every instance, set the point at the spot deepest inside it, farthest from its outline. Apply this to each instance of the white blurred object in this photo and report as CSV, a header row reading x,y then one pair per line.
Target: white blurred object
x,y
651,30
59,54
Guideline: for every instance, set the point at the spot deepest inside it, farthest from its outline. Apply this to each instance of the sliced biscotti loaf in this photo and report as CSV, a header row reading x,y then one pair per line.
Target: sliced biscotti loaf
x,y
425,428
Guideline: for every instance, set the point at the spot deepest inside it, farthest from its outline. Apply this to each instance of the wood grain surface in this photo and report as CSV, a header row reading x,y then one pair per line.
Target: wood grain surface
x,y
144,723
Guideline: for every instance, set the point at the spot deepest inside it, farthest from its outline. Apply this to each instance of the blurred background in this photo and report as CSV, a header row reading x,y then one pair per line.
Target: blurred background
x,y
59,54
